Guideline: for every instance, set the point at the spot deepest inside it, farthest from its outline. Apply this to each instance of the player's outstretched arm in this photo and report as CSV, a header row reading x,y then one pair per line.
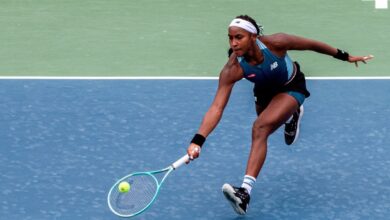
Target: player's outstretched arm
x,y
229,75
292,42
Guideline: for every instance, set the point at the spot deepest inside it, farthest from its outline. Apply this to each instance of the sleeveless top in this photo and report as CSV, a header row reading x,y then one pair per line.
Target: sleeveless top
x,y
273,72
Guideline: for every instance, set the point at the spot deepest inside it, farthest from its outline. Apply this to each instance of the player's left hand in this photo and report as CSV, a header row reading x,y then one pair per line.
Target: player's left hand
x,y
356,59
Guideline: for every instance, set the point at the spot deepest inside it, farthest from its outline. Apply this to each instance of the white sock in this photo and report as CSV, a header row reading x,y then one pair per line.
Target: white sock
x,y
248,183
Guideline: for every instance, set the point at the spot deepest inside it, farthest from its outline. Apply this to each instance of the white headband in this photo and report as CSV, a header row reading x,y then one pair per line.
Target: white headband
x,y
246,25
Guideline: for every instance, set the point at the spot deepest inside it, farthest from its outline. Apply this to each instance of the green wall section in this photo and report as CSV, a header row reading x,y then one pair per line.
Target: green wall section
x,y
178,37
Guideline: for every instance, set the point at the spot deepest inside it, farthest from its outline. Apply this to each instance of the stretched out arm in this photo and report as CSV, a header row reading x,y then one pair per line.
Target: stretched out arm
x,y
229,75
292,42
214,113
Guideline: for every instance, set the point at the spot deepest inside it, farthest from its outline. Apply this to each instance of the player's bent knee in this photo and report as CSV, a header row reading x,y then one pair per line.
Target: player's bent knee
x,y
261,129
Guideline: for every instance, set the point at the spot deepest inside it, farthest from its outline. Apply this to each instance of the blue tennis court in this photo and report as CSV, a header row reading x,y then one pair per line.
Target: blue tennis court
x,y
65,142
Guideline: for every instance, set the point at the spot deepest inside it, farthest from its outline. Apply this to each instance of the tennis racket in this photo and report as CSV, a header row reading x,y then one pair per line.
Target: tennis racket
x,y
144,188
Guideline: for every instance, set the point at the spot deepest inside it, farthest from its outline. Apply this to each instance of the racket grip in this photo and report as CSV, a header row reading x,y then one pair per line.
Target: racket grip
x,y
180,161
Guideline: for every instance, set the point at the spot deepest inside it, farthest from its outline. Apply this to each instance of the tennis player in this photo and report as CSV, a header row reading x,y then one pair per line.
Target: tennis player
x,y
279,92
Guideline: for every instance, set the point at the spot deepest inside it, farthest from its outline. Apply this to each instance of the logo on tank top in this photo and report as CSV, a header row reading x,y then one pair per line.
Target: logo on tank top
x,y
251,75
274,65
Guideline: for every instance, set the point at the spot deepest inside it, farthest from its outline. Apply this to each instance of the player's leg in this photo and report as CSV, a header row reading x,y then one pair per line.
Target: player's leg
x,y
280,108
297,89
278,111
291,128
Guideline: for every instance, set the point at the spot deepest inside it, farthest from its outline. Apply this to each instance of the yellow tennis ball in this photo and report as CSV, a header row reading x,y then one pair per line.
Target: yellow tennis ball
x,y
124,187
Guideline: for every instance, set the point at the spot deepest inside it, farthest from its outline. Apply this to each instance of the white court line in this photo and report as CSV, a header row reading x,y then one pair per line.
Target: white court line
x,y
110,77
174,78
348,77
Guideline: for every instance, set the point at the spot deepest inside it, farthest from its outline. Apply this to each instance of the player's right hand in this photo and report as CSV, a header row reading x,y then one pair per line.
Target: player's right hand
x,y
193,151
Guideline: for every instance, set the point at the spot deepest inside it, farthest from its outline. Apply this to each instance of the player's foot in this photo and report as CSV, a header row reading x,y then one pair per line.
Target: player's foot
x,y
291,128
238,197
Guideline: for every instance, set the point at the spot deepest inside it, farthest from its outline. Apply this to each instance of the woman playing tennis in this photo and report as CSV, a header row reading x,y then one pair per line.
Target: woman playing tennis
x,y
279,91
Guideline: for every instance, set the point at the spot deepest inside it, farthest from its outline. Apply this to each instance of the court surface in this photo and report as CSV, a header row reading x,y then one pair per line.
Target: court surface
x,y
65,142
178,37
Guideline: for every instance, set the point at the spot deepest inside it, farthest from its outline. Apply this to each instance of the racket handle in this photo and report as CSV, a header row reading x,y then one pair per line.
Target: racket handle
x,y
180,161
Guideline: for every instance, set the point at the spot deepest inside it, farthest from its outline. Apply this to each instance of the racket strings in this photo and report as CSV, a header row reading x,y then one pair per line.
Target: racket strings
x,y
142,191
